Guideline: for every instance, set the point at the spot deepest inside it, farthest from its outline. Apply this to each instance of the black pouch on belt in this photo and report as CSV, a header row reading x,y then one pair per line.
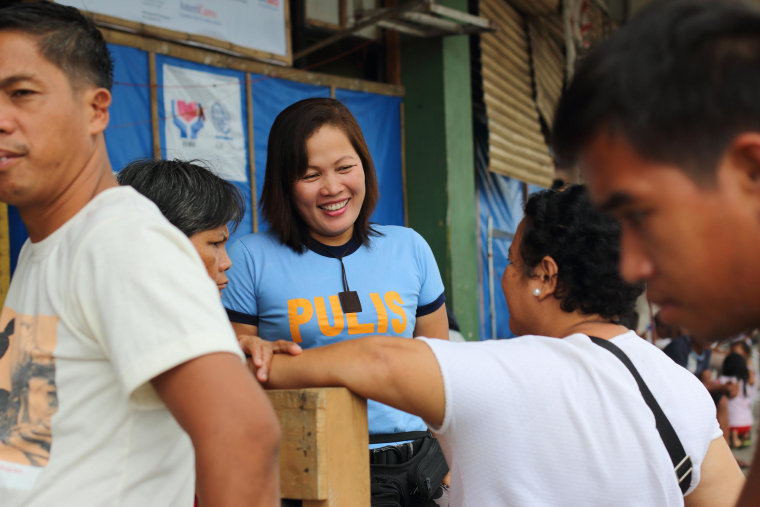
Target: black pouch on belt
x,y
411,472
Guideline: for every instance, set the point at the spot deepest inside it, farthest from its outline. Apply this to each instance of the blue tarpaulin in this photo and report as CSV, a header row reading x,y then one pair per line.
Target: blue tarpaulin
x,y
129,136
379,117
501,199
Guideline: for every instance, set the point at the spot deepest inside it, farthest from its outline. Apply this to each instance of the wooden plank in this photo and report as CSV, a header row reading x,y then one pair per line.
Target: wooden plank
x,y
403,165
154,123
104,20
323,454
251,154
207,57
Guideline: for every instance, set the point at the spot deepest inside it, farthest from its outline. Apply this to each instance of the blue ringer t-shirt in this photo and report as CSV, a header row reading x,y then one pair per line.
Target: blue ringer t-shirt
x,y
294,296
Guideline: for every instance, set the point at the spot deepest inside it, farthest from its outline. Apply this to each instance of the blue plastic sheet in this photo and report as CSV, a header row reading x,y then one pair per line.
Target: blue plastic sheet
x,y
379,117
501,199
129,136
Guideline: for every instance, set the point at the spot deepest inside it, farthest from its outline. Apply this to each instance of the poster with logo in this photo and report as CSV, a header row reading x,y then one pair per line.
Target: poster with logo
x,y
255,24
203,119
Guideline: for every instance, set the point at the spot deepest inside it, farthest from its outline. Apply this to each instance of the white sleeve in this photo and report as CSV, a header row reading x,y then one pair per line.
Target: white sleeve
x,y
140,289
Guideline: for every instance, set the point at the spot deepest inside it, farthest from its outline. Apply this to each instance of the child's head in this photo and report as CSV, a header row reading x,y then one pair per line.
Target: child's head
x,y
736,366
742,348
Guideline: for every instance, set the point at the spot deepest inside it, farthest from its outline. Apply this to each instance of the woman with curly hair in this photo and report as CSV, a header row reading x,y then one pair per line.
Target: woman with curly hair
x,y
538,420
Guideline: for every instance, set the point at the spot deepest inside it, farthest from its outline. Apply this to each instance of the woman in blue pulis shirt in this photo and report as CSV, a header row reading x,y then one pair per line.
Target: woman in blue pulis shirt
x,y
322,273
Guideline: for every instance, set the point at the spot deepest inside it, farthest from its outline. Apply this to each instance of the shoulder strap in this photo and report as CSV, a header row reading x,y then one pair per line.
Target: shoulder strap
x,y
681,461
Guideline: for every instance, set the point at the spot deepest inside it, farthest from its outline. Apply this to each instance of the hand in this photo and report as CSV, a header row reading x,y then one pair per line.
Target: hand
x,y
258,353
196,126
179,123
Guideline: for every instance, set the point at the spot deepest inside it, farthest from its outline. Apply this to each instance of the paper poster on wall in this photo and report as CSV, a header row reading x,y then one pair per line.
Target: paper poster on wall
x,y
255,24
204,120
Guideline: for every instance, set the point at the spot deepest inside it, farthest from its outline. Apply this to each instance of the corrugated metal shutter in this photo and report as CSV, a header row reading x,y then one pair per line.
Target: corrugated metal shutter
x,y
546,38
517,147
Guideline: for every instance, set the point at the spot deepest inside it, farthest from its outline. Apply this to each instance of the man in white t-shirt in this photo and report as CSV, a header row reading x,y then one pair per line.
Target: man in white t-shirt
x,y
116,358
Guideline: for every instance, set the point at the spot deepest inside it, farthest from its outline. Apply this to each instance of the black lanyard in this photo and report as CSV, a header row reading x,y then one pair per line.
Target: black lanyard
x,y
349,300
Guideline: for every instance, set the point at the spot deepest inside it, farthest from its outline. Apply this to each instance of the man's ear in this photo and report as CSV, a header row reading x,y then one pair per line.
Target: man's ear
x,y
98,100
546,271
744,158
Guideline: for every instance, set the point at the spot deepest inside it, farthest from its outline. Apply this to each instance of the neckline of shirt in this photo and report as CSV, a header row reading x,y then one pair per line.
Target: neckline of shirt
x,y
42,248
334,252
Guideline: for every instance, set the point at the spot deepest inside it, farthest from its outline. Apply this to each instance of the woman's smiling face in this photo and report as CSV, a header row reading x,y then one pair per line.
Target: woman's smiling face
x,y
330,194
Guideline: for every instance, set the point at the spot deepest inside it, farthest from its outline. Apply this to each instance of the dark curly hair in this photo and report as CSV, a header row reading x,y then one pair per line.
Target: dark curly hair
x,y
585,244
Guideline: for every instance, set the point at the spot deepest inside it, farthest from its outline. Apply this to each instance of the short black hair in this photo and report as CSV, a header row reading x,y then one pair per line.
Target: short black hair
x,y
65,37
585,244
189,195
679,82
287,161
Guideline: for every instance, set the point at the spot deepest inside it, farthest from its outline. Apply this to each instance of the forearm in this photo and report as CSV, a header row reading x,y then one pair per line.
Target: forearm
x,y
363,366
399,372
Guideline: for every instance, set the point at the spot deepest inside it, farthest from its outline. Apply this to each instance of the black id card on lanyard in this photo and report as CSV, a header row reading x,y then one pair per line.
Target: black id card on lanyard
x,y
349,302
349,299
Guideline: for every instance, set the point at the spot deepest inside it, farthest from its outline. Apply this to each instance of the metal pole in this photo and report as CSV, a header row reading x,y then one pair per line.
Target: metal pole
x,y
491,305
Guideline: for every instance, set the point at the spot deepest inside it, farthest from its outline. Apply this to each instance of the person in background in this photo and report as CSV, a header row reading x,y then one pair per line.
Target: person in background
x,y
491,403
740,418
116,356
664,121
323,273
694,355
743,347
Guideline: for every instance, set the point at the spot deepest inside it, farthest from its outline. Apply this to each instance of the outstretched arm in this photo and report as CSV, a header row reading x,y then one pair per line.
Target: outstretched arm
x,y
258,352
399,372
720,481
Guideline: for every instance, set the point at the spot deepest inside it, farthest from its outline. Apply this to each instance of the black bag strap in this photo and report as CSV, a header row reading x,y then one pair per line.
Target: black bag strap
x,y
387,438
681,461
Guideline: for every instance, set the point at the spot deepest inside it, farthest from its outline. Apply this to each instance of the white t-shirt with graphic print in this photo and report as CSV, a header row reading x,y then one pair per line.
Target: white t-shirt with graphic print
x,y
109,301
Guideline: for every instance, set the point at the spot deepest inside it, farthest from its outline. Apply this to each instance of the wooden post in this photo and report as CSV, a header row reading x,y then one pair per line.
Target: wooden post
x,y
324,459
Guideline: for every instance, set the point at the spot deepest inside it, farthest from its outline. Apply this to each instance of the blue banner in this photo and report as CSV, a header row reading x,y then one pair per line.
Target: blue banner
x,y
129,136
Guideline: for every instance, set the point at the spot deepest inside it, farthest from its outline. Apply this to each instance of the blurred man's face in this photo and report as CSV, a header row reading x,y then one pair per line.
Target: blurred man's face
x,y
695,246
